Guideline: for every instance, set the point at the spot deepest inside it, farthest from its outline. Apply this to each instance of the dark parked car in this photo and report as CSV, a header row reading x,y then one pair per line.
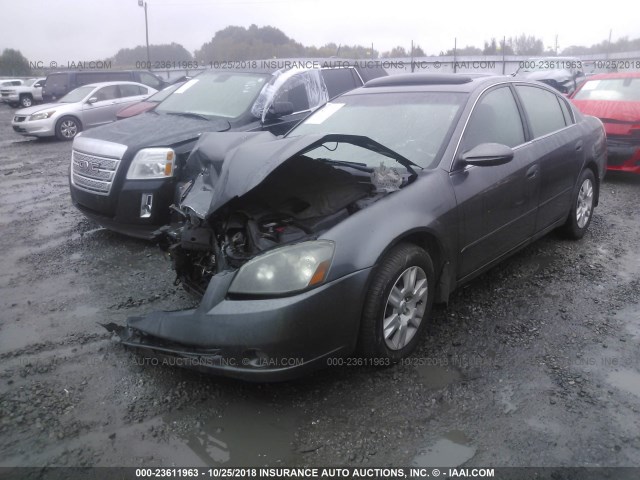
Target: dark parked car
x,y
340,236
615,99
564,74
125,176
58,84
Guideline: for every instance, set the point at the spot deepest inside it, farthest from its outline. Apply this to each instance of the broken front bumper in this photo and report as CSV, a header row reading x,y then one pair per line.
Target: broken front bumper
x,y
623,154
266,339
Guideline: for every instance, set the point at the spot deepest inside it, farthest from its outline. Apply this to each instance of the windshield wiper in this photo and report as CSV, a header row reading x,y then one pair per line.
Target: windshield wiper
x,y
355,165
189,115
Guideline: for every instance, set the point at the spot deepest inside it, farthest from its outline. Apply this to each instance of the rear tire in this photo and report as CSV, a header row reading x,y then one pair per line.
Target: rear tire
x,y
397,303
582,206
67,128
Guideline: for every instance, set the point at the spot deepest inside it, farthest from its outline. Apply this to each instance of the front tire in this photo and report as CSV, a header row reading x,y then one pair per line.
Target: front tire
x,y
397,303
582,207
67,128
26,101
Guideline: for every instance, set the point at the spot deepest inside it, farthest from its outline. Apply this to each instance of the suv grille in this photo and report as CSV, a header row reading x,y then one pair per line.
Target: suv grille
x,y
93,174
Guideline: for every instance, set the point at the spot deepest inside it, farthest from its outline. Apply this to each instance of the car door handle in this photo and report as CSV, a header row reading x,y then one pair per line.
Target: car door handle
x,y
579,146
532,172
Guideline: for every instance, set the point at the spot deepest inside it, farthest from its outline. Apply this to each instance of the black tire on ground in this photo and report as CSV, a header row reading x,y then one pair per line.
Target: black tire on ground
x,y
26,101
407,309
67,128
582,206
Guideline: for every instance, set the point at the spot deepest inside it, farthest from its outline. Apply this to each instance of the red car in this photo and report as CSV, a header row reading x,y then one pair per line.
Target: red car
x,y
615,99
148,103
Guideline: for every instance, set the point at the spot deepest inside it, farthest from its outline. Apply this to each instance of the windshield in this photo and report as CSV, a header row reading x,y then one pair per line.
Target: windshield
x,y
224,94
415,125
617,89
76,95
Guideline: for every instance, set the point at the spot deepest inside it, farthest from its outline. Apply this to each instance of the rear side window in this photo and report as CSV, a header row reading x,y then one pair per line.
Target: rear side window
x,y
495,119
132,90
542,109
107,93
339,80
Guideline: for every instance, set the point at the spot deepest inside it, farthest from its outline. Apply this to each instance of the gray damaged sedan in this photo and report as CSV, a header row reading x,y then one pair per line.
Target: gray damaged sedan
x,y
338,238
85,107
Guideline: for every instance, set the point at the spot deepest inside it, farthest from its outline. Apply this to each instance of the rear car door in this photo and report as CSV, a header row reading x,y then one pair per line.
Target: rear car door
x,y
104,109
557,141
497,204
130,94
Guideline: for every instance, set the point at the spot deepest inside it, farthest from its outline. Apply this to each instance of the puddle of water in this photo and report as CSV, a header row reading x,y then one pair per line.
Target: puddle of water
x,y
631,316
245,434
436,376
629,266
452,450
626,380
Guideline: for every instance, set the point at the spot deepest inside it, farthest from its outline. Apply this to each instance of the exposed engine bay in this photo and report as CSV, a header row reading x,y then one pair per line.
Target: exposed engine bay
x,y
298,200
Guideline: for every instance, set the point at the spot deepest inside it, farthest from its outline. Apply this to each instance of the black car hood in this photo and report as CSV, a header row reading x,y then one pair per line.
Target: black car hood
x,y
155,130
235,163
559,76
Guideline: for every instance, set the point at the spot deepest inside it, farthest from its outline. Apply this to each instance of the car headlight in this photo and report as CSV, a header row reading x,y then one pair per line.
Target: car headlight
x,y
285,270
42,115
151,163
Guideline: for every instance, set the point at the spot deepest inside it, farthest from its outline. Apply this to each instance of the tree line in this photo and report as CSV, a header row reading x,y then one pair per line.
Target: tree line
x,y
257,43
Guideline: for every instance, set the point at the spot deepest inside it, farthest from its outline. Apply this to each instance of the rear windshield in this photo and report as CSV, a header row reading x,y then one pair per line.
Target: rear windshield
x,y
620,89
57,81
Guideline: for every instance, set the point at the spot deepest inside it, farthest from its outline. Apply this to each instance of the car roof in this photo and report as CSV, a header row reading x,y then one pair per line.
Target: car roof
x,y
428,82
106,84
603,76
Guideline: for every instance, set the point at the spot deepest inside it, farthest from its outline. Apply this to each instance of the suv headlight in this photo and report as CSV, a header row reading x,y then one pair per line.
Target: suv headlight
x,y
285,270
151,163
41,115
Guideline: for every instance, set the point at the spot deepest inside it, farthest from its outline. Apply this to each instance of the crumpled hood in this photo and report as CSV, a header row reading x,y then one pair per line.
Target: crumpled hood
x,y
559,76
235,163
618,116
155,130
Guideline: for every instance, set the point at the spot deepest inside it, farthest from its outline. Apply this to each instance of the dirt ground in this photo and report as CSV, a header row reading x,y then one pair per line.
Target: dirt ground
x,y
536,362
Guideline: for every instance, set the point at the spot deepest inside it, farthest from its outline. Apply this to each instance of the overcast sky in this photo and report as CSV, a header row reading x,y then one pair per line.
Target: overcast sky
x,y
64,30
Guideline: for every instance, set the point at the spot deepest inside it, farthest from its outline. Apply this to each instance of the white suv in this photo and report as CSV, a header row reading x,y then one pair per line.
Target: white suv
x,y
24,94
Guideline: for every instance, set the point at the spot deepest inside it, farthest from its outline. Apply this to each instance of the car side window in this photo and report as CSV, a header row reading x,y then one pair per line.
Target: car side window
x,y
495,119
339,80
542,109
149,80
107,93
294,91
16,83
568,118
131,90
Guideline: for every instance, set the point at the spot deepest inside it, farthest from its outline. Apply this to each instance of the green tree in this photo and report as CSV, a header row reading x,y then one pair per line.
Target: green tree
x,y
13,64
526,45
173,52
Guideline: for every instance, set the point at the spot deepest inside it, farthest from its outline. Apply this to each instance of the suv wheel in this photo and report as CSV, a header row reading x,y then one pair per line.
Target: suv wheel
x,y
397,304
26,101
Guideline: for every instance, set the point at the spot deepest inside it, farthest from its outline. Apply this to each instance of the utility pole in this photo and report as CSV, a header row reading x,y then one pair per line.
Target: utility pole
x,y
609,44
556,45
455,49
142,3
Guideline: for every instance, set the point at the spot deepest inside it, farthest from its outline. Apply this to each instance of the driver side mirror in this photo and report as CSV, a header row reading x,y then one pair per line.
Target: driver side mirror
x,y
488,155
279,109
92,100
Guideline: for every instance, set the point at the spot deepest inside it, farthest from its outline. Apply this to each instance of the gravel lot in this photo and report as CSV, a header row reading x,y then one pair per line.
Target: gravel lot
x,y
536,362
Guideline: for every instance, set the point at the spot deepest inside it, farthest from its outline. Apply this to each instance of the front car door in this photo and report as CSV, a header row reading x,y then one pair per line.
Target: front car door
x,y
497,204
557,142
104,109
305,90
